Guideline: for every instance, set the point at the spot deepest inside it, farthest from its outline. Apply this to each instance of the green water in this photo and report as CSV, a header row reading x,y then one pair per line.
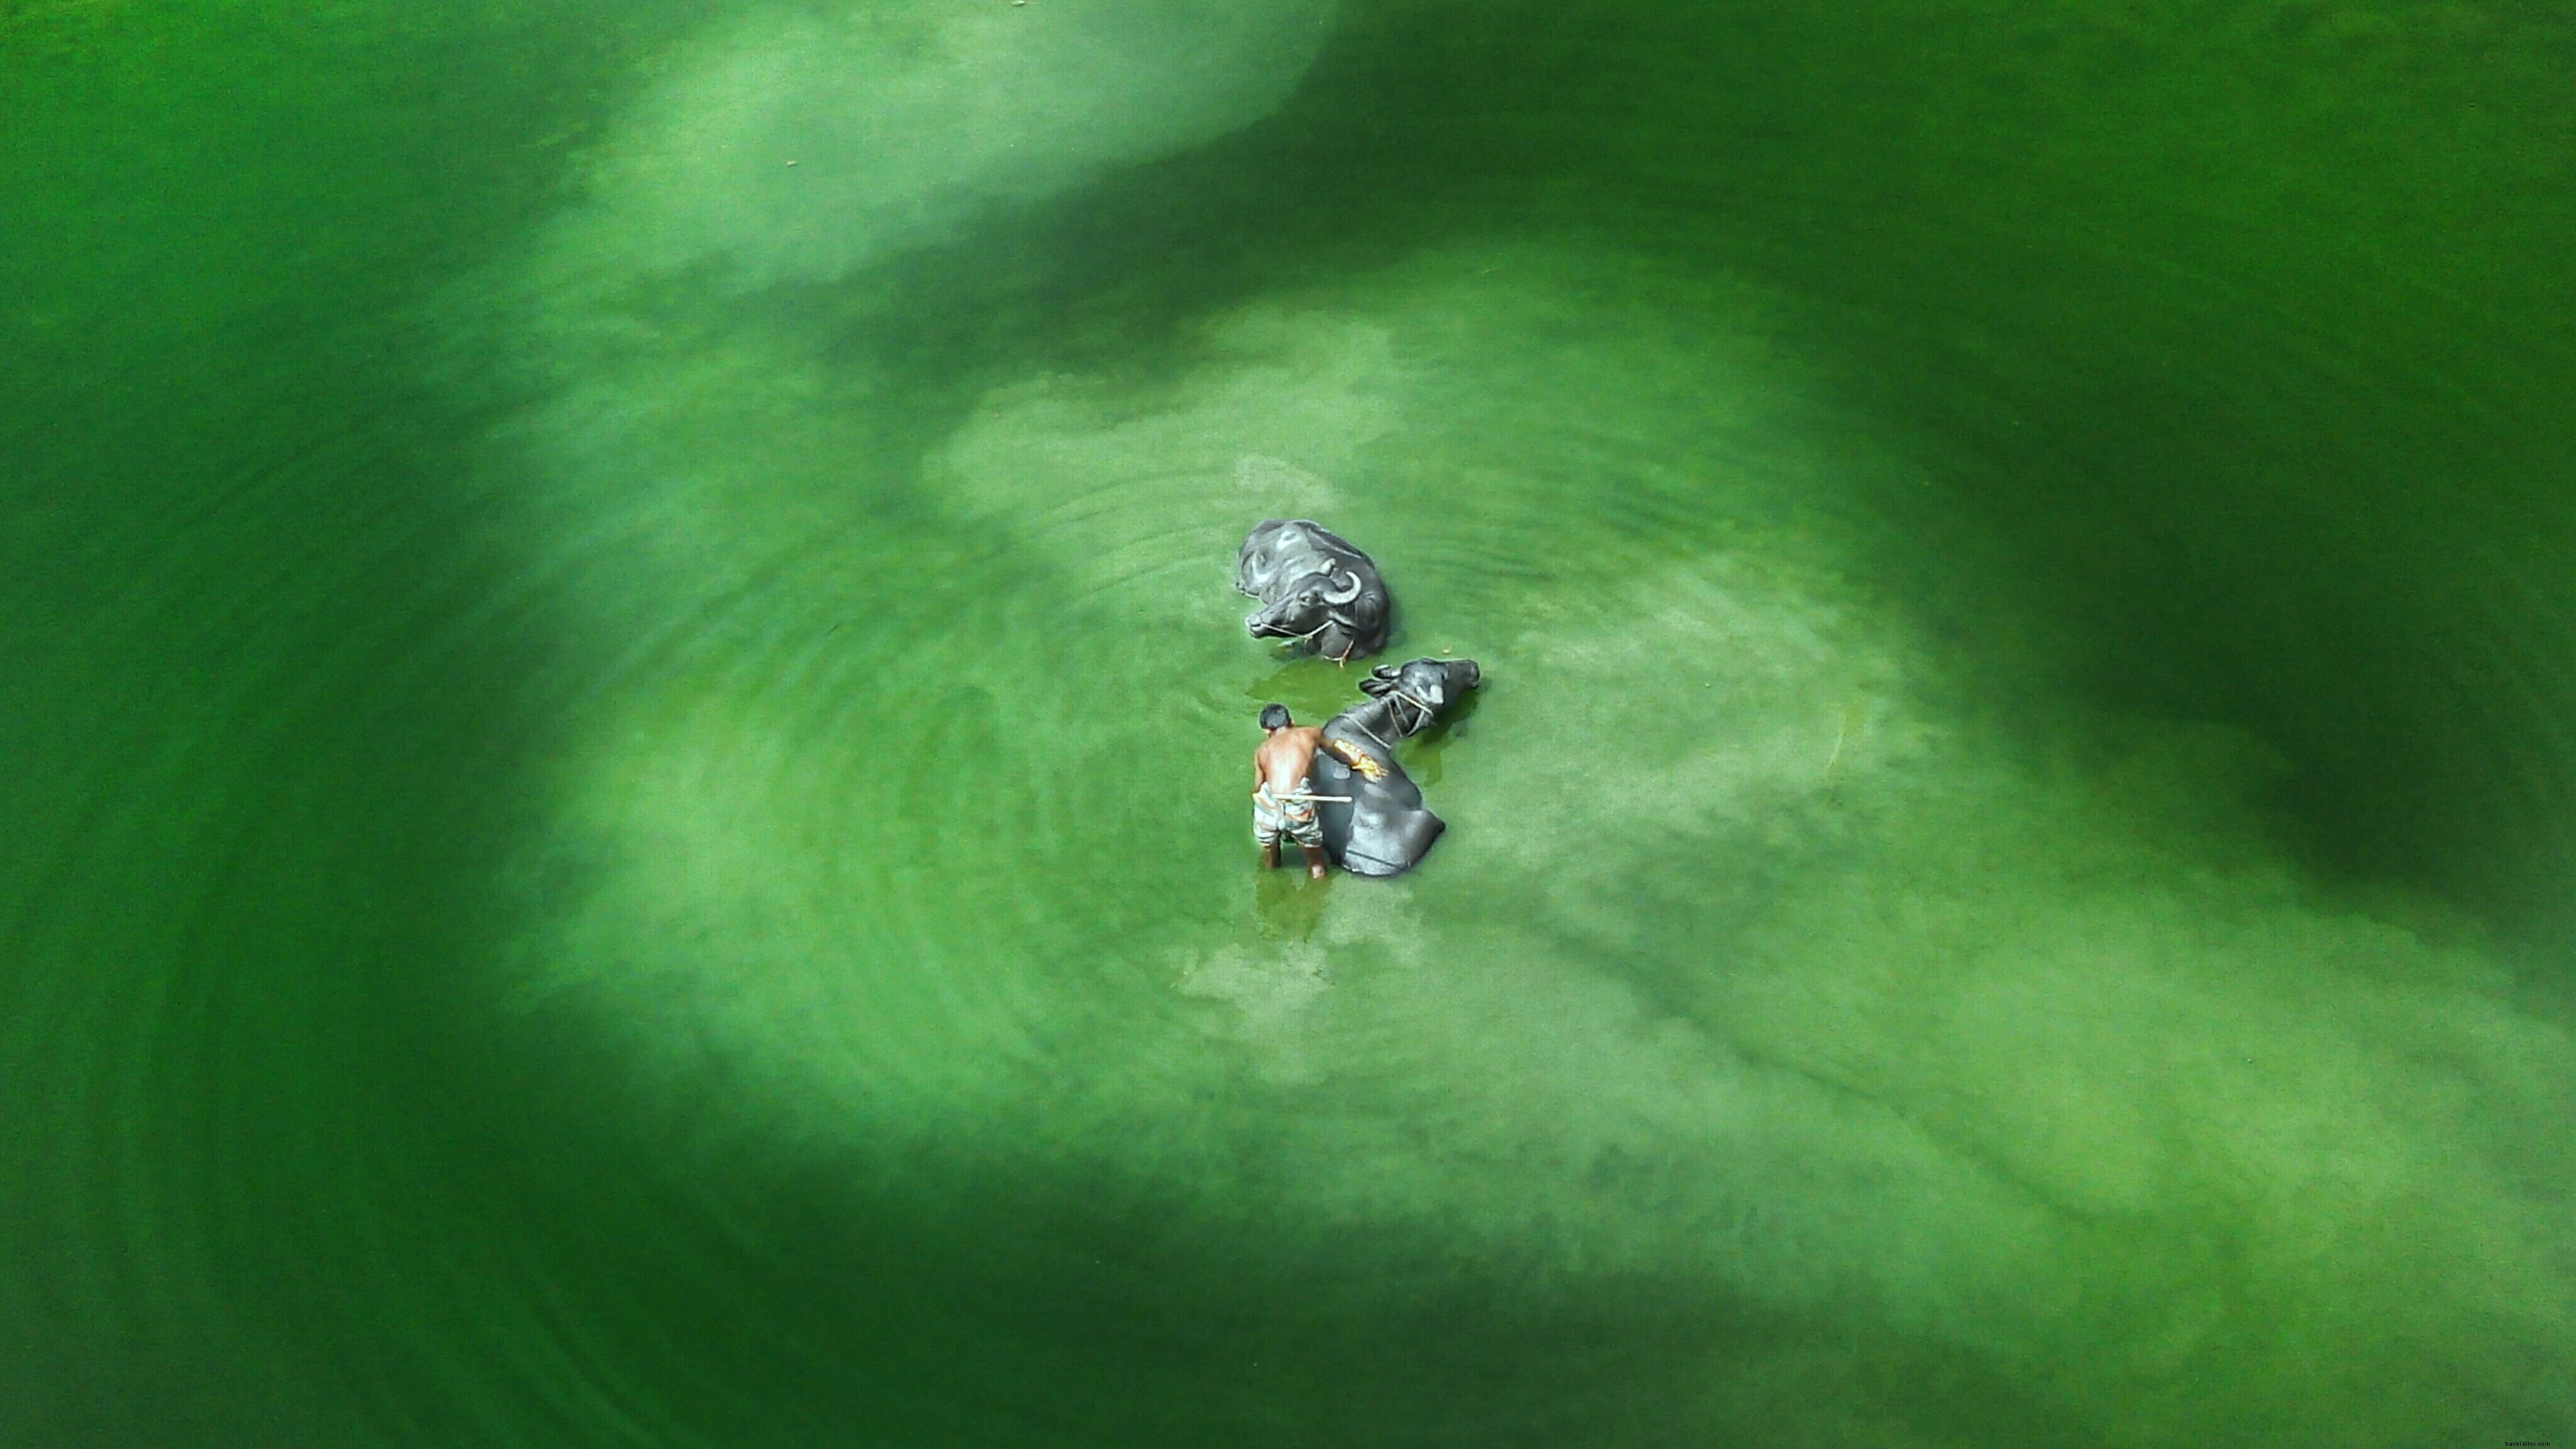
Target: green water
x,y
573,869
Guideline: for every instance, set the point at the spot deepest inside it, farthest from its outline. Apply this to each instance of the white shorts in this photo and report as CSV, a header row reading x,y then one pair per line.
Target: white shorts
x,y
1294,817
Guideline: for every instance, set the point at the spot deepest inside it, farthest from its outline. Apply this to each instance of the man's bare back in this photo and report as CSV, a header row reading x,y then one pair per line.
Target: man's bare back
x,y
1280,802
1285,756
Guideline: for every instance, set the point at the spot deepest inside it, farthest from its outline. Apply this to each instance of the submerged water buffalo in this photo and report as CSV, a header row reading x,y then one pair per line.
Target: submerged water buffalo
x,y
1378,825
1314,588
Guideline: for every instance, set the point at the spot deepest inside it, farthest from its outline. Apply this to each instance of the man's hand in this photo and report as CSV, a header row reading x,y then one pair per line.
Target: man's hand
x,y
1357,758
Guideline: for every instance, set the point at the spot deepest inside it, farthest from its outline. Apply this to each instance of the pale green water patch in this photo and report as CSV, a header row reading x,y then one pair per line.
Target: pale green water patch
x,y
577,871
1758,958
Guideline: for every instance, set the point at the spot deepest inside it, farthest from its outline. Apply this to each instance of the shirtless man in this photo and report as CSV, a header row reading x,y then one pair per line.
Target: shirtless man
x,y
1280,802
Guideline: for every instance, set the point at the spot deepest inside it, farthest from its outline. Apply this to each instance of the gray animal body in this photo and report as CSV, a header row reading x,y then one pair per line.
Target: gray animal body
x,y
1314,588
1383,828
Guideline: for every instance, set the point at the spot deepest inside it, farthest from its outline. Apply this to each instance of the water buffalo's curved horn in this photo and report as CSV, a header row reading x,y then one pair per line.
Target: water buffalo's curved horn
x,y
1333,595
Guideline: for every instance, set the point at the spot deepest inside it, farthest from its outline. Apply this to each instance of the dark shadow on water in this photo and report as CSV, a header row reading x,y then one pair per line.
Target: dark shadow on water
x,y
2097,351
343,1210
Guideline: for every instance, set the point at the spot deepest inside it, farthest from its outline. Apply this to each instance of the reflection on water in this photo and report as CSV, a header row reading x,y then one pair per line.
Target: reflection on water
x,y
1422,754
1286,904
1313,689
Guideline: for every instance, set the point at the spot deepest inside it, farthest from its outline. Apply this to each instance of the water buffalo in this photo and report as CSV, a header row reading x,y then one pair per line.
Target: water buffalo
x,y
1314,588
1379,826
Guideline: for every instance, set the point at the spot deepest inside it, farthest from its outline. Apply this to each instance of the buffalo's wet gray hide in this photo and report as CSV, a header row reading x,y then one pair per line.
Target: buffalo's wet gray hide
x,y
1280,549
1314,588
1385,830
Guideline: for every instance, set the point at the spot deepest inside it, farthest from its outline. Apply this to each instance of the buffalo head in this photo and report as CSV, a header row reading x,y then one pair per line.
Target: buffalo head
x,y
1434,684
1306,605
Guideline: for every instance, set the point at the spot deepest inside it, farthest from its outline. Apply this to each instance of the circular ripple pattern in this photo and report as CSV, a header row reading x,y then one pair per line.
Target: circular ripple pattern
x,y
628,823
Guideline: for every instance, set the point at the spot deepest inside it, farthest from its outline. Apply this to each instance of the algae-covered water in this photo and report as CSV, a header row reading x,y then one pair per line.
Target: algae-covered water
x,y
625,732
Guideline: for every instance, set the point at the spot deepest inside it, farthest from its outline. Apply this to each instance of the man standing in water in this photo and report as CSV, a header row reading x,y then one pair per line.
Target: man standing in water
x,y
1281,804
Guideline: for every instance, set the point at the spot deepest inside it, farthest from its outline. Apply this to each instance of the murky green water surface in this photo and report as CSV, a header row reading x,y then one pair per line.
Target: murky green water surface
x,y
627,733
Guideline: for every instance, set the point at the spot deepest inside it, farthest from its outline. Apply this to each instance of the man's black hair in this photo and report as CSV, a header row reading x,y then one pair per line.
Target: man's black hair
x,y
1274,716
